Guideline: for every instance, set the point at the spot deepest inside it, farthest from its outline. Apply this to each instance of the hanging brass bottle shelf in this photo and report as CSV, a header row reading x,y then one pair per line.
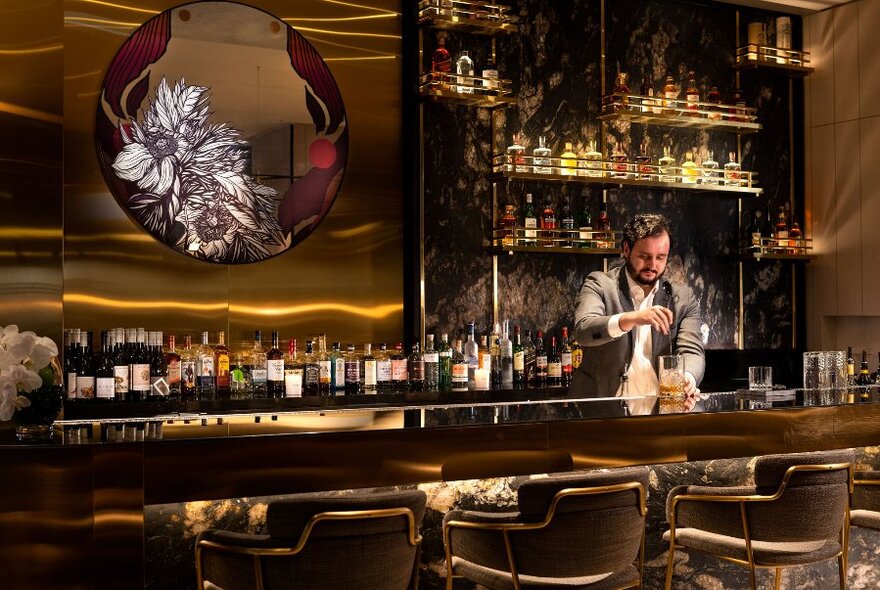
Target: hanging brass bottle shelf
x,y
791,249
466,90
789,61
555,241
482,18
653,110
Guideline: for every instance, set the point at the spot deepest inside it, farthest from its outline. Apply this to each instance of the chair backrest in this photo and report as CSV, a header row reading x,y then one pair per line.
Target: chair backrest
x,y
586,533
364,552
867,497
814,503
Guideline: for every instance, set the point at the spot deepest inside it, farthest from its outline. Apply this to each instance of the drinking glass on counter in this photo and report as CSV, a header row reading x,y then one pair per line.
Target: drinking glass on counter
x,y
825,370
670,371
760,378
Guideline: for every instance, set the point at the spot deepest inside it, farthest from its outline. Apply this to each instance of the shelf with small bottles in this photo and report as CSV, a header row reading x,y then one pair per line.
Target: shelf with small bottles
x,y
472,16
679,113
557,241
793,62
592,168
783,243
466,90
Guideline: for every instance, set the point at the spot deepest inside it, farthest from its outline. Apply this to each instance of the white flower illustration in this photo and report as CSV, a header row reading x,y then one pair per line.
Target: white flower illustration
x,y
22,356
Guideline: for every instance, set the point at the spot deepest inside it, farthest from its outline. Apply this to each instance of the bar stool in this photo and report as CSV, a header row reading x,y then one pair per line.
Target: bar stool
x,y
797,513
583,531
313,542
866,500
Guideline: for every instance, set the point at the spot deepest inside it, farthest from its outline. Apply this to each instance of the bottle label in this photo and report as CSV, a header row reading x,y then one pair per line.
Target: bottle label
x,y
460,373
174,372
275,370
259,376
120,378
140,377
541,361
693,98
312,375
486,361
352,372
293,381
782,234
324,372
223,379
416,370
206,366
370,373
554,369
531,224
105,388
519,361
431,357
565,357
383,371
159,386
398,370
339,375
187,374
577,356
85,387
71,385
445,353
222,364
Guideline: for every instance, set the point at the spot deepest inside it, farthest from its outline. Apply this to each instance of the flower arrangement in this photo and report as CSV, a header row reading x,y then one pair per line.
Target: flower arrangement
x,y
28,365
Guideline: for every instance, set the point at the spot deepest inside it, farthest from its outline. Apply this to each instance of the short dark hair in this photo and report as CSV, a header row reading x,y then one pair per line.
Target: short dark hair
x,y
646,225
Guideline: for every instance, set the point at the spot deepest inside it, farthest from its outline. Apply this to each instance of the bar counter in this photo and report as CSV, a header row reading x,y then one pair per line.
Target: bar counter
x,y
75,512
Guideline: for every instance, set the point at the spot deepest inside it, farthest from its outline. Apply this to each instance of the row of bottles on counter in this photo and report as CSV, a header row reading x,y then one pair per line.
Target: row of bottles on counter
x,y
133,366
566,229
864,377
667,100
588,162
779,237
463,81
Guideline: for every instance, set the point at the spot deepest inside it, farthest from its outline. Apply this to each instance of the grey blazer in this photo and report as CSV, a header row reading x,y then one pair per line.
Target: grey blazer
x,y
606,294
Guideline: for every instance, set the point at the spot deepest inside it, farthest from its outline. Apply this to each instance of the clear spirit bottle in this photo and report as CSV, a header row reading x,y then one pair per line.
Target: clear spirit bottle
x,y
432,365
505,346
471,354
369,370
516,160
732,171
710,170
464,70
591,163
541,157
257,365
667,167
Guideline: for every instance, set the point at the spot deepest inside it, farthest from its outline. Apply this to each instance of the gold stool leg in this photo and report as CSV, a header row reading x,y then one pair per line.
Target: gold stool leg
x,y
669,566
752,579
778,577
841,566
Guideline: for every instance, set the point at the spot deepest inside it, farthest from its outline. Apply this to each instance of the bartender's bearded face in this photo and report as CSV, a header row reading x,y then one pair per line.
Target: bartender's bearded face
x,y
646,260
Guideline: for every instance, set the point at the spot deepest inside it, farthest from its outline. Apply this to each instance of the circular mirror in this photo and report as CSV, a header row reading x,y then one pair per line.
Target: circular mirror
x,y
221,131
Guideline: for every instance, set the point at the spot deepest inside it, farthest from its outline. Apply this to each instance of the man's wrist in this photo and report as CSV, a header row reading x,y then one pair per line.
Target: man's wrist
x,y
614,329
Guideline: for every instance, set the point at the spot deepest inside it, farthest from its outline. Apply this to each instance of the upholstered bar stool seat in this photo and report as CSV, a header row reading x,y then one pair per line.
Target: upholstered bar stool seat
x,y
364,541
866,500
577,531
797,513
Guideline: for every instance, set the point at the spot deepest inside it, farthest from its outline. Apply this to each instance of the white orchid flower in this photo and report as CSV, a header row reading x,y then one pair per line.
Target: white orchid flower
x,y
21,402
41,354
7,359
8,393
20,345
25,379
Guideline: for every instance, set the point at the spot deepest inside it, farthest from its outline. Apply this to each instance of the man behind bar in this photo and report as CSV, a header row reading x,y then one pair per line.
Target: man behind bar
x,y
626,317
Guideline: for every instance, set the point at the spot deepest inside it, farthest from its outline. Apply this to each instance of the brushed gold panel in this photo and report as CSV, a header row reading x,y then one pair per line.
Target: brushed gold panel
x,y
345,279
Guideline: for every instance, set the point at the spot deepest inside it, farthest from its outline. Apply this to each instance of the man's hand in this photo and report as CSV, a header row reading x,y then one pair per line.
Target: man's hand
x,y
657,316
691,392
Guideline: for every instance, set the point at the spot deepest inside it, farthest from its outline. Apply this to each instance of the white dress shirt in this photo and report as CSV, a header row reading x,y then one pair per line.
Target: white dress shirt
x,y
642,377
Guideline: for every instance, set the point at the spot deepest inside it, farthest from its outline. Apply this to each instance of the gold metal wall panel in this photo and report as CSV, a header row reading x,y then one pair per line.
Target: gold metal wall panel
x,y
31,60
345,279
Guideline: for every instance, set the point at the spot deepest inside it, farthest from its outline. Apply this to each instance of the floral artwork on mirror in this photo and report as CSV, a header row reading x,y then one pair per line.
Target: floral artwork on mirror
x,y
222,132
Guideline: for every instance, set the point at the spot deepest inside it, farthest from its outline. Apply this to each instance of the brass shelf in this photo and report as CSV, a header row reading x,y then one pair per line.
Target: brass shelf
x,y
481,18
553,250
776,256
789,61
592,241
483,92
793,249
679,113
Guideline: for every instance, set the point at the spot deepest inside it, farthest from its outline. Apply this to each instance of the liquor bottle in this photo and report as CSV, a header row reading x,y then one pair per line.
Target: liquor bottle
x,y
506,356
69,365
337,368
239,384
585,226
120,366
603,225
710,170
257,366
399,376
577,355
415,367
554,365
508,227
568,162
172,361
384,384
490,76
692,95
541,359
670,97
864,378
643,163
188,389
460,368
369,371
732,171
739,111
689,170
105,388
755,231
618,162
85,370
495,356
159,389
566,223
548,224
780,230
850,368
646,91
444,354
667,166
519,360
464,70
275,369
293,370
714,97
441,61
795,237
140,369
541,157
530,222
311,371
620,94
530,360
516,160
431,359
221,367
352,371
325,372
484,355
565,359
205,370
591,163
471,354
